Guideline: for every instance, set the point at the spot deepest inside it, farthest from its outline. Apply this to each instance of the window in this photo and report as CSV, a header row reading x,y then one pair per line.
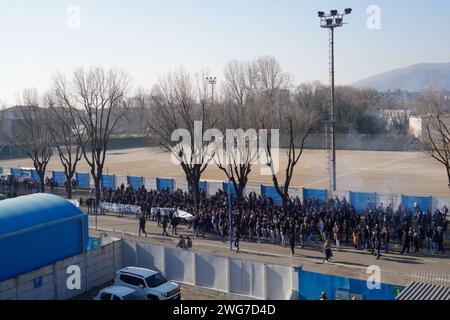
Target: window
x,y
131,280
155,280
105,296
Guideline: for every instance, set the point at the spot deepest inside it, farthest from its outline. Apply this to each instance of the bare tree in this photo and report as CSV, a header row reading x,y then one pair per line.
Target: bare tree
x,y
177,113
63,128
34,138
95,102
298,121
437,138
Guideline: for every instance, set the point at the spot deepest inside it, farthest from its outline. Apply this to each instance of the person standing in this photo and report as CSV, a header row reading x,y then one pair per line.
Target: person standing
x,y
142,223
292,242
406,242
236,241
164,226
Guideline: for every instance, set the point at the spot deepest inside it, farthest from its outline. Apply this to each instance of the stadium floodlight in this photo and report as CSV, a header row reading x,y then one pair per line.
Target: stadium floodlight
x,y
212,81
332,21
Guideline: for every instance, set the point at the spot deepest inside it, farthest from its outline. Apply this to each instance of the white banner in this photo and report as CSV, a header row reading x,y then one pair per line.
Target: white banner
x,y
176,213
120,208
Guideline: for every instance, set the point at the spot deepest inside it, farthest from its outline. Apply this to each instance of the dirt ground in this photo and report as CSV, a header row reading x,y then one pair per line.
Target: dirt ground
x,y
365,171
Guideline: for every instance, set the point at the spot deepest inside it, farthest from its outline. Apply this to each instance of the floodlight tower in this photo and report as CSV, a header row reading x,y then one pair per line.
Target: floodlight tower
x,y
212,81
330,21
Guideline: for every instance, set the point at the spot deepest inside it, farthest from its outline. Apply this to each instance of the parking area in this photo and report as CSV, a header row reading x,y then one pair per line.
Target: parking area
x,y
187,293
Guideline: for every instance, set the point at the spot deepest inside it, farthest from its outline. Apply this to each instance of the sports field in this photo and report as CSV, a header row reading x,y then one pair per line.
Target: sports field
x,y
366,171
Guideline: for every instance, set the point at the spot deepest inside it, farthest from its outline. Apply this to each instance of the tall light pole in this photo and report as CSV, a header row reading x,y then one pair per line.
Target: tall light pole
x,y
213,81
331,21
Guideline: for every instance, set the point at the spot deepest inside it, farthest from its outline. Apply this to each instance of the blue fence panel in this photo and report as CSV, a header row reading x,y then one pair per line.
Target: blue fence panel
x,y
315,194
16,172
108,182
136,182
270,191
59,177
35,176
164,184
362,201
203,186
311,285
82,180
424,203
232,191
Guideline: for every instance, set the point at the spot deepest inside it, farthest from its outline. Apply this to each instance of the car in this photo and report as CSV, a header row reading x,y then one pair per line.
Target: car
x,y
117,293
149,283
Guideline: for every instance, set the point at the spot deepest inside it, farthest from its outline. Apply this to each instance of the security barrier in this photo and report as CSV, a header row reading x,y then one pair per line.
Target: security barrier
x,y
108,182
82,180
270,191
424,203
229,187
362,201
315,194
164,184
135,182
59,177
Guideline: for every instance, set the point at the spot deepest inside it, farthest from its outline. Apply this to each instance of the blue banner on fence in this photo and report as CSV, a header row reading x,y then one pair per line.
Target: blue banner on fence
x,y
362,201
108,182
59,177
164,184
315,194
270,191
82,180
135,182
424,203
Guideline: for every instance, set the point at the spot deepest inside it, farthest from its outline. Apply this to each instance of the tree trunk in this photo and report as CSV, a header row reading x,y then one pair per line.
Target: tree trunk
x,y
69,186
42,182
97,184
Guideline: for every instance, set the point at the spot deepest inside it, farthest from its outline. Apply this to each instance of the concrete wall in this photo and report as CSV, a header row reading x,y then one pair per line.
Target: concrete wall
x,y
97,267
240,277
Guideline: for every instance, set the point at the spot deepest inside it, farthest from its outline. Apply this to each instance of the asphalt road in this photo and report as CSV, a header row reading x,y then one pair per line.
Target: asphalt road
x,y
396,268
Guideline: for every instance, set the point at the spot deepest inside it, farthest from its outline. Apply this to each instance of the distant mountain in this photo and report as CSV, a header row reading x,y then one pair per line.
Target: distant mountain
x,y
413,78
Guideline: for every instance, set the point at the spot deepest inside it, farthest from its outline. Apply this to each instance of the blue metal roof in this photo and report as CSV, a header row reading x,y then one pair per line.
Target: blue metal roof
x,y
30,211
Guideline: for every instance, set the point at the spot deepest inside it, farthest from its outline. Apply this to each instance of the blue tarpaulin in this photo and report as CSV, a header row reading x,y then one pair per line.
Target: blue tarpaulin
x,y
82,180
164,184
362,201
135,182
270,191
424,203
59,177
108,182
315,194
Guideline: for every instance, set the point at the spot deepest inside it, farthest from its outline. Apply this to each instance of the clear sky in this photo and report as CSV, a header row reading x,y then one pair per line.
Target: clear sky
x,y
147,38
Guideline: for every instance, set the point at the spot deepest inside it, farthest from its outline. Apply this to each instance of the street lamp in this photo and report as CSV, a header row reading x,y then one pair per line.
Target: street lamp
x,y
330,21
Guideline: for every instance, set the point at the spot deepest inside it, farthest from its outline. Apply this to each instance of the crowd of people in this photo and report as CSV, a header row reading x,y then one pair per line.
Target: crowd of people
x,y
311,222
